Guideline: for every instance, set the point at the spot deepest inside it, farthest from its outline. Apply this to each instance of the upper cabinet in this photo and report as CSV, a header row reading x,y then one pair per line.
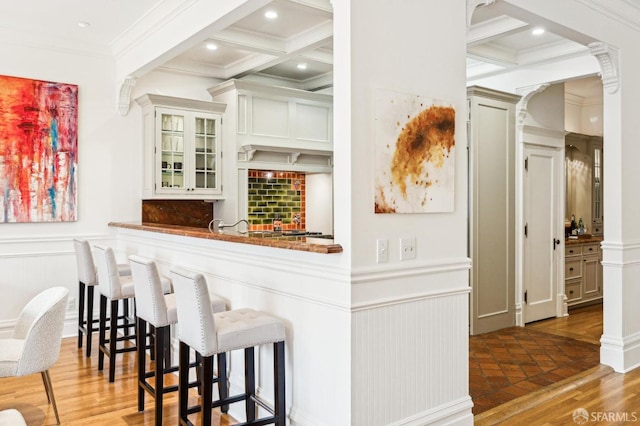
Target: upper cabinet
x,y
277,126
182,141
584,180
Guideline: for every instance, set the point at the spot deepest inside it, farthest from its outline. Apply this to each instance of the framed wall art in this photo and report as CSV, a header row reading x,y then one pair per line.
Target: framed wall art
x,y
38,150
414,154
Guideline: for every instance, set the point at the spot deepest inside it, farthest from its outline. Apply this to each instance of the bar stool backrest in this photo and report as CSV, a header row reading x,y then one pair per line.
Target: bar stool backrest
x,y
196,323
86,268
108,275
151,304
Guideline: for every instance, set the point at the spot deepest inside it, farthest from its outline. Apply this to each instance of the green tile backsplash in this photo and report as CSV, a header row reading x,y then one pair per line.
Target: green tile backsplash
x,y
273,194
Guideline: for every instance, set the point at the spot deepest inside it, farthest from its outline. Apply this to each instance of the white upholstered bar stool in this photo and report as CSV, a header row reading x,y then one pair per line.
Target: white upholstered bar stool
x,y
114,288
210,334
157,309
87,280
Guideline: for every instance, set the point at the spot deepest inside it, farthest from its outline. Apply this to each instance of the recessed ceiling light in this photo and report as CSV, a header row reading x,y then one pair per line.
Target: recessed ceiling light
x,y
83,24
537,31
212,46
271,14
302,66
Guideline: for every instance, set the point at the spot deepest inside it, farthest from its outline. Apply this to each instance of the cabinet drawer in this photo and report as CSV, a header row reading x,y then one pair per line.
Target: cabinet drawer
x,y
572,268
573,250
590,249
573,290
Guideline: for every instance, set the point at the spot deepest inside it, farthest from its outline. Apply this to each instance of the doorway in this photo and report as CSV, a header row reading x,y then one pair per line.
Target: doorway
x,y
541,244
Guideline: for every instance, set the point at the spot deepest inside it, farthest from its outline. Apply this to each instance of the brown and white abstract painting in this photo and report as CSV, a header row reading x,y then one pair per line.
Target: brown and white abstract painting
x,y
414,155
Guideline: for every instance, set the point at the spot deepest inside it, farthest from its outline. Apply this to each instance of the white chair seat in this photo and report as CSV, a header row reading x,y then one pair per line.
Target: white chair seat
x,y
11,417
242,328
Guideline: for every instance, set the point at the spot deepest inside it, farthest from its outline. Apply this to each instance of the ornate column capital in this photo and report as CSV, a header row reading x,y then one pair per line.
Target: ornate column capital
x,y
124,98
607,57
471,6
526,94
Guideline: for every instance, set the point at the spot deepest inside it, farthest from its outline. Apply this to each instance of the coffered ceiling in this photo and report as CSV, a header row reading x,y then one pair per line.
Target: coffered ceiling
x,y
296,47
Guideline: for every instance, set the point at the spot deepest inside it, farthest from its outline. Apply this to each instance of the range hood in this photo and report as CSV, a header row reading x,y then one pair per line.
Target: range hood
x,y
259,156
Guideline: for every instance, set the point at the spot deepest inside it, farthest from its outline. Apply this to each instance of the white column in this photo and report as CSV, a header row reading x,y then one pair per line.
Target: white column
x,y
621,247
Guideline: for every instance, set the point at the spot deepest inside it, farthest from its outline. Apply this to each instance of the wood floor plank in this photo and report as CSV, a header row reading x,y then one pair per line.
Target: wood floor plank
x,y
85,396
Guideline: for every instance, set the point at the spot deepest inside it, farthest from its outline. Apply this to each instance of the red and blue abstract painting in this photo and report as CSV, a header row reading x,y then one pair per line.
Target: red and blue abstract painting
x,y
38,150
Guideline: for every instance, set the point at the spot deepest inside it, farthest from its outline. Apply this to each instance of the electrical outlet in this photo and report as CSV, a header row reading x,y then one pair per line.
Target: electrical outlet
x,y
407,248
382,251
71,304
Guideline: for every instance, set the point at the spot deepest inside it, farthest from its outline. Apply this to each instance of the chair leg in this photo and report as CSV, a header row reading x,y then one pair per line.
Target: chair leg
x,y
89,326
183,382
159,385
249,383
280,405
102,331
152,342
167,348
207,389
142,361
50,396
223,391
125,314
199,372
113,341
81,323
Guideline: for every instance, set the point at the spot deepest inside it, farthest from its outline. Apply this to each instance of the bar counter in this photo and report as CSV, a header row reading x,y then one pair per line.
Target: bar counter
x,y
289,242
583,239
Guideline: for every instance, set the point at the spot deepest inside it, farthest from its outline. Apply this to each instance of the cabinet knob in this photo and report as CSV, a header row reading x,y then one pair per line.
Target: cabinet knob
x,y
570,269
590,248
570,291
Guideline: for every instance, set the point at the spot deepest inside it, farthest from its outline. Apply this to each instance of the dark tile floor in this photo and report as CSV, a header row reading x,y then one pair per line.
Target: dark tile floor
x,y
515,361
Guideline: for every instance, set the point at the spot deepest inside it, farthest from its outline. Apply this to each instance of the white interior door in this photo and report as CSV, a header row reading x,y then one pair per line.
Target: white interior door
x,y
492,214
542,183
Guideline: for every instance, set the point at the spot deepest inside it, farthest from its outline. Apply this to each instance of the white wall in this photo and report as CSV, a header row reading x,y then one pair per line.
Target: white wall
x,y
40,255
401,310
319,198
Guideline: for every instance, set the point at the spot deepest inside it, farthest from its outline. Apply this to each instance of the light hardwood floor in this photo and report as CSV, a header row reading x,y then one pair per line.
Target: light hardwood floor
x,y
85,397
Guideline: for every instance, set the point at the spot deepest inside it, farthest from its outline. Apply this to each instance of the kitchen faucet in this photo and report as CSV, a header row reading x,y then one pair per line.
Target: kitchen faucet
x,y
222,226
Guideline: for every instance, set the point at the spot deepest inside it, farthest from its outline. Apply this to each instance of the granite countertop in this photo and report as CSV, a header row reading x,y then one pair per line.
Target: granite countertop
x,y
290,242
584,239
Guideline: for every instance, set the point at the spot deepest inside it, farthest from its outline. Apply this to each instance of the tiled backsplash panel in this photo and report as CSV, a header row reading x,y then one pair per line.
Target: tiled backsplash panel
x,y
177,212
273,193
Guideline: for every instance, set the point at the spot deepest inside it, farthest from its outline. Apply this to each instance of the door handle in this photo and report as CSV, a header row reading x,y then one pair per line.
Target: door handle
x,y
555,242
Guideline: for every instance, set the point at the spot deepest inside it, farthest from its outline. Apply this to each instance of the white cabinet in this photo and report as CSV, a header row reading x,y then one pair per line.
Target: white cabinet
x,y
182,140
582,272
278,127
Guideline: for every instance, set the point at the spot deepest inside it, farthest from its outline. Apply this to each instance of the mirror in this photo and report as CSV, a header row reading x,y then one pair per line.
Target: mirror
x,y
583,184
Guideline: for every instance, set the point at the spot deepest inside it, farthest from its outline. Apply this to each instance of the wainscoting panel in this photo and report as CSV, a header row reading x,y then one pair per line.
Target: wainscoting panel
x,y
412,357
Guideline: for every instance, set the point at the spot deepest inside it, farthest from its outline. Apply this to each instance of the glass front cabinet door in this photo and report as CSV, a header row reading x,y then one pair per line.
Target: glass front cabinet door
x,y
182,157
187,156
